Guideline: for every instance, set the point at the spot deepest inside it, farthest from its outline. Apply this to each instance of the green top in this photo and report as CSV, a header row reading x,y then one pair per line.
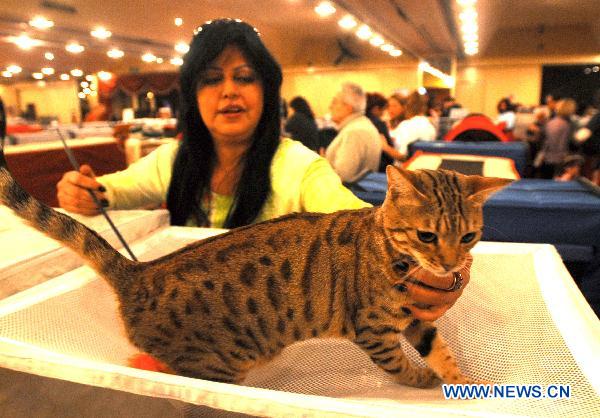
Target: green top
x,y
301,181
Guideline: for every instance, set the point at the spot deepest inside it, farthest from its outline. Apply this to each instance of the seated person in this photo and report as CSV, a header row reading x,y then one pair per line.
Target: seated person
x,y
356,149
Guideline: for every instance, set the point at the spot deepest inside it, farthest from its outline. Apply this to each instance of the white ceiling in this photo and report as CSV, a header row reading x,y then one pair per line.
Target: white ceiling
x,y
292,30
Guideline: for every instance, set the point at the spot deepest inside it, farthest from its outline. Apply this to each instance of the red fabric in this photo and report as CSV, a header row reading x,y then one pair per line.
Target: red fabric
x,y
21,129
147,362
479,122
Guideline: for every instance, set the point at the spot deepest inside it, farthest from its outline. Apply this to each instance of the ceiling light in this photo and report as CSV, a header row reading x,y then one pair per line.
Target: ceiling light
x,y
471,45
468,15
364,32
48,70
81,95
376,40
159,60
466,3
325,9
422,90
101,33
178,21
74,47
348,22
76,72
86,91
37,76
115,53
89,78
24,41
469,27
176,61
64,77
41,83
40,22
387,47
470,37
182,47
15,69
7,74
49,56
395,52
84,84
104,75
148,57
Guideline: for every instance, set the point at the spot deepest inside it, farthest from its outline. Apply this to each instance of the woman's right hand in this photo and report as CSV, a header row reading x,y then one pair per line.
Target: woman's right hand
x,y
72,191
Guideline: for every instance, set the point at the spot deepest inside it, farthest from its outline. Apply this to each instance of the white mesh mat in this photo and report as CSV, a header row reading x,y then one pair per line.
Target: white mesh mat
x,y
521,320
28,257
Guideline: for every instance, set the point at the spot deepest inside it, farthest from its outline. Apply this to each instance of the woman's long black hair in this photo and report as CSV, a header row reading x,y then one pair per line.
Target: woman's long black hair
x,y
194,163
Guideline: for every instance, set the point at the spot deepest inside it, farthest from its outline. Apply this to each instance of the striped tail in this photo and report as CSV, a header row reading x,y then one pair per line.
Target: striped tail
x,y
98,253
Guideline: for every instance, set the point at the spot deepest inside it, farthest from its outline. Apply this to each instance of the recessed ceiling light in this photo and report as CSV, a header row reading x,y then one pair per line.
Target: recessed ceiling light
x,y
76,72
104,75
37,76
81,95
148,57
325,9
115,53
386,47
15,69
40,22
178,21
182,47
65,77
101,33
176,61
84,84
395,52
48,70
74,47
347,22
86,91
49,56
159,60
24,41
376,40
89,77
364,32
7,74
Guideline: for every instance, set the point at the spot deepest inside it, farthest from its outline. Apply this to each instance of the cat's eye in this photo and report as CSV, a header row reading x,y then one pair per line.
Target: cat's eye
x,y
426,236
468,238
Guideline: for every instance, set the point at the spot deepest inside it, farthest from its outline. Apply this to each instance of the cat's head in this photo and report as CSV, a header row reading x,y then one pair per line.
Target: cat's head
x,y
436,216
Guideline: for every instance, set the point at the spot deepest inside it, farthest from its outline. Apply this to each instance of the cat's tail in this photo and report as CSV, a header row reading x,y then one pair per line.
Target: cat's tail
x,y
99,254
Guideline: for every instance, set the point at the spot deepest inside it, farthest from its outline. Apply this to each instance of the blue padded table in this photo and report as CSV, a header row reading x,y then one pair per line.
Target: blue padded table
x,y
516,151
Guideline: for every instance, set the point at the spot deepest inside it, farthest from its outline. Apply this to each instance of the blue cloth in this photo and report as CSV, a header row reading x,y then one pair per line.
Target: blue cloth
x,y
516,151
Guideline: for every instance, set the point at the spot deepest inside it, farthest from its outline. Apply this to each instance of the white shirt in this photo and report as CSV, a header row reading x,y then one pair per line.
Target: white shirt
x,y
411,130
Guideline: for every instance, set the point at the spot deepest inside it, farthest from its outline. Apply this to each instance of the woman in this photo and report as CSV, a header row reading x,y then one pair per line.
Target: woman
x,y
301,124
232,168
376,105
415,127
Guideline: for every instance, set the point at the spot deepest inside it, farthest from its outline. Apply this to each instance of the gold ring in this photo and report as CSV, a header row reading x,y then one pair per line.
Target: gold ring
x,y
457,284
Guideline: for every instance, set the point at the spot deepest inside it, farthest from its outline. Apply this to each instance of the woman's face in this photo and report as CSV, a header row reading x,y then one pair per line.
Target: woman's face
x,y
394,108
230,98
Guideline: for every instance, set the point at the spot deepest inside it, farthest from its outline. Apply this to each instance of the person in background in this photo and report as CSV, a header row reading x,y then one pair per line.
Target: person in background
x,y
376,104
415,127
588,137
449,103
301,124
507,117
356,150
232,168
396,109
558,133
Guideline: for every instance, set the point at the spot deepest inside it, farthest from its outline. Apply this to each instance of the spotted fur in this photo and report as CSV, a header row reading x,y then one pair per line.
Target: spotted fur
x,y
220,306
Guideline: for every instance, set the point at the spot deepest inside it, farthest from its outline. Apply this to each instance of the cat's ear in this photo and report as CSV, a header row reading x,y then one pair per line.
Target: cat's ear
x,y
483,187
402,182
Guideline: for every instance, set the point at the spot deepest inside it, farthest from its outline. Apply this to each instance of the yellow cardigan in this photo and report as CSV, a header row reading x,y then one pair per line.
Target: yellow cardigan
x,y
301,181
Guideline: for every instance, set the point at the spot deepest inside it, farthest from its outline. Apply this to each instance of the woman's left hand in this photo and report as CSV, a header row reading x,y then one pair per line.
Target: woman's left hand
x,y
430,304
